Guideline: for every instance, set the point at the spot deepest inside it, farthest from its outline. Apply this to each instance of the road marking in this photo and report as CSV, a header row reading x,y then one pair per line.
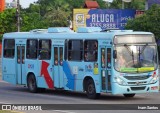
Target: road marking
x,y
63,111
3,81
16,112
4,102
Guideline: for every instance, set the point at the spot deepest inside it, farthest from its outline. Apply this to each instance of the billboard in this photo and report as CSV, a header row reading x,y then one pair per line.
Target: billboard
x,y
151,2
104,18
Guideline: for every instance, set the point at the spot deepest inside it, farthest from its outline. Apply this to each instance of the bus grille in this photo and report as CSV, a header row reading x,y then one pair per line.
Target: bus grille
x,y
137,77
139,83
137,88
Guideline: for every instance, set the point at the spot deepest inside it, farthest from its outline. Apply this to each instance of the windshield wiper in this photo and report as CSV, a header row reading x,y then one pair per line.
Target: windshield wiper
x,y
143,48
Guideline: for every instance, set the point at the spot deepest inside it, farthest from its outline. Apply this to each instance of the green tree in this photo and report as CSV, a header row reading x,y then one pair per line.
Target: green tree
x,y
58,13
147,22
7,21
134,4
32,21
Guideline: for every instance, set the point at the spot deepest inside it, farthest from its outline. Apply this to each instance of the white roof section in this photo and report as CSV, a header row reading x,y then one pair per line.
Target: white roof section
x,y
67,33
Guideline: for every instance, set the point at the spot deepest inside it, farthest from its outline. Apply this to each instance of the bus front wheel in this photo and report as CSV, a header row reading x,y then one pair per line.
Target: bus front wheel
x,y
91,91
31,83
129,95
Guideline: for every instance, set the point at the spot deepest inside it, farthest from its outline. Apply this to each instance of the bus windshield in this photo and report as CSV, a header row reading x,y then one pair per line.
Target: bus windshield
x,y
136,58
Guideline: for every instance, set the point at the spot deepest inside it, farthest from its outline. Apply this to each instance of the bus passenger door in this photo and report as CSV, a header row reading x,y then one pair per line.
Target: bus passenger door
x,y
58,67
106,68
21,64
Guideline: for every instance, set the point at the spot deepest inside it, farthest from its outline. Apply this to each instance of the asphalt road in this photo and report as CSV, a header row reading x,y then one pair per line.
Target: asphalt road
x,y
10,94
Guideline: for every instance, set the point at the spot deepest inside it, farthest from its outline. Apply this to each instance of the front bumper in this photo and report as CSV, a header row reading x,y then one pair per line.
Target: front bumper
x,y
120,89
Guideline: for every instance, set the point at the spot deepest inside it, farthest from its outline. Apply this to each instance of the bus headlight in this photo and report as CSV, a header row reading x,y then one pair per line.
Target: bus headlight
x,y
154,79
120,81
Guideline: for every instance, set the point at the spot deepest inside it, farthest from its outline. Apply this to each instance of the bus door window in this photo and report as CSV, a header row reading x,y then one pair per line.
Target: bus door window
x,y
108,57
20,54
61,56
58,56
103,58
55,55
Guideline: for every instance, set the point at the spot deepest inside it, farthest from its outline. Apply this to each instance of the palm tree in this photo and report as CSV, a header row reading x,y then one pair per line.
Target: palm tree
x,y
57,13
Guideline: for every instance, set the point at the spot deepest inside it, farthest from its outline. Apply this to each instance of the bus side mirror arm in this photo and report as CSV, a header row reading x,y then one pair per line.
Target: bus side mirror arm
x,y
114,54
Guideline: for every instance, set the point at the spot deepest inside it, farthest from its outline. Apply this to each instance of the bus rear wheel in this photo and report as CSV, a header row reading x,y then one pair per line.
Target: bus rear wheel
x,y
129,95
91,91
32,84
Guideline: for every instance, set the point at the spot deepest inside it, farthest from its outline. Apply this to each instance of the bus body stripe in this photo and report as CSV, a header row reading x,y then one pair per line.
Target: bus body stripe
x,y
46,75
69,75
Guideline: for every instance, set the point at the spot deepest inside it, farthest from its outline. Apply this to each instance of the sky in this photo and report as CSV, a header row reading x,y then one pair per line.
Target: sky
x,y
24,3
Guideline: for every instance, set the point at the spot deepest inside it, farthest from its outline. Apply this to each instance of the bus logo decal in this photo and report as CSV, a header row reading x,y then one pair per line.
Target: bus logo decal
x,y
88,68
69,75
46,75
30,66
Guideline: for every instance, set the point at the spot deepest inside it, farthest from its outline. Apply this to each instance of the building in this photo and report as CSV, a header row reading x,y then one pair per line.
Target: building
x,y
2,5
12,4
89,4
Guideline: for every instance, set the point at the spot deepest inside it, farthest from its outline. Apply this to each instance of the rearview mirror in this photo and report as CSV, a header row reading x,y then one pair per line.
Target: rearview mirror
x,y
114,54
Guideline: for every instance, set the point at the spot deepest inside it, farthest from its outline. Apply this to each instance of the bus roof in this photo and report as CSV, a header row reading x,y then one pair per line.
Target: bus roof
x,y
66,33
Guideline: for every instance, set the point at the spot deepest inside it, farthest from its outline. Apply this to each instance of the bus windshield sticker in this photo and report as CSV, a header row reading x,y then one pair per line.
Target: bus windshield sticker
x,y
142,69
128,69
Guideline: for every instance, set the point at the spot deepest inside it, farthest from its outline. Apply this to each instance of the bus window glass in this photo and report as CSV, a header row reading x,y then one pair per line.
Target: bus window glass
x,y
66,48
61,55
32,46
108,57
90,50
44,49
18,55
136,58
9,48
103,58
55,56
75,50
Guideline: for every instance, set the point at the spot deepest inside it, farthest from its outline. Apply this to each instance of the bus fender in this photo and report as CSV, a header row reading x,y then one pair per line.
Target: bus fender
x,y
85,84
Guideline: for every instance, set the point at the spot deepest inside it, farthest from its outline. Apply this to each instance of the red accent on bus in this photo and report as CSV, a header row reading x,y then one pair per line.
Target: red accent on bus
x,y
46,75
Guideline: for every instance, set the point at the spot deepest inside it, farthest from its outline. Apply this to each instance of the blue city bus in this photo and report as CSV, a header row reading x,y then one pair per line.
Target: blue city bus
x,y
89,60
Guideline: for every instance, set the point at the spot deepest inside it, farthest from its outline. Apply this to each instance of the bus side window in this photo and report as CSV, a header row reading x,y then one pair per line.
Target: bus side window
x,y
44,49
90,50
75,50
32,47
9,48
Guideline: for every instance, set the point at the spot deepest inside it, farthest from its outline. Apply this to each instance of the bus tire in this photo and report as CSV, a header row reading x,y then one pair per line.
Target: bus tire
x,y
91,91
41,90
32,84
129,95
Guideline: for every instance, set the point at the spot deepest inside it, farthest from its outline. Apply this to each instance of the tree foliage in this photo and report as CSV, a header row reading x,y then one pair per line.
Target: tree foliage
x,y
52,13
134,4
8,20
147,22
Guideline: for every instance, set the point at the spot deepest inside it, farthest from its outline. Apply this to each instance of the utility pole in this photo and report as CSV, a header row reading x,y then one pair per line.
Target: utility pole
x,y
18,16
122,4
146,4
